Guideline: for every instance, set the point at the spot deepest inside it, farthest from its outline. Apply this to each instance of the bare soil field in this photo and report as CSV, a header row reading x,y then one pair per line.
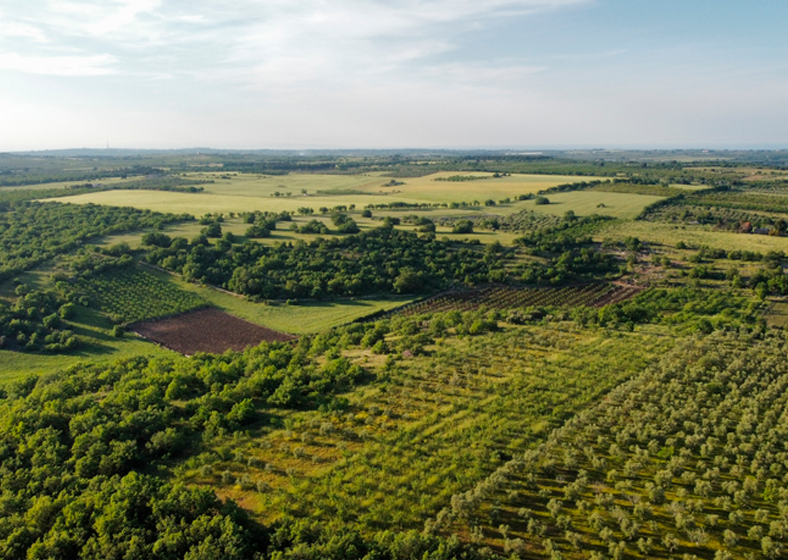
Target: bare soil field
x,y
206,330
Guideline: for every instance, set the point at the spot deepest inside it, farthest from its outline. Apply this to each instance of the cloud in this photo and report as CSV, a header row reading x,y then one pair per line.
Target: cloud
x,y
260,35
97,65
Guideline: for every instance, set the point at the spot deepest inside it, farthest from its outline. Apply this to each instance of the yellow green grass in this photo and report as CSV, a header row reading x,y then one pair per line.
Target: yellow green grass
x,y
429,189
776,314
694,236
303,318
243,193
199,204
98,346
585,203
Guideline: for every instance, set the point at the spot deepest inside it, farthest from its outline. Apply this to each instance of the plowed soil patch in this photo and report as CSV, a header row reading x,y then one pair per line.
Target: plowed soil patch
x,y
206,330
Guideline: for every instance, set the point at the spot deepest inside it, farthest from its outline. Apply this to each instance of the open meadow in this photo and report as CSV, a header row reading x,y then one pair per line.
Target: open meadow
x,y
245,192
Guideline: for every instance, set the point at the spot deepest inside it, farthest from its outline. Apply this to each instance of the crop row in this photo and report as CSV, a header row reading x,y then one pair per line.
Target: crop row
x,y
136,295
589,295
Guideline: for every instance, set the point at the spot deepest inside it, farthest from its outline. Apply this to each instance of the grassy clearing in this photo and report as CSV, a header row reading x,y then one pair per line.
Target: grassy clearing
x,y
98,346
304,318
430,426
244,193
199,204
429,190
694,236
585,203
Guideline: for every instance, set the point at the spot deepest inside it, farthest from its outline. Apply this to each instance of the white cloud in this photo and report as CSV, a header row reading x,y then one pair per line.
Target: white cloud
x,y
97,65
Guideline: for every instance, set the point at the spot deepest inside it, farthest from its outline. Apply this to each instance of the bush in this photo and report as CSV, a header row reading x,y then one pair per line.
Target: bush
x,y
463,226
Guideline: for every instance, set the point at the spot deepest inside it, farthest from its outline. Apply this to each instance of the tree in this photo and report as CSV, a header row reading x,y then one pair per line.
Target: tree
x,y
463,226
214,230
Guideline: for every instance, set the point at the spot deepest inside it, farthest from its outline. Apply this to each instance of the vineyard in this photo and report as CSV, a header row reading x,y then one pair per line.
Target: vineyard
x,y
757,201
502,297
128,296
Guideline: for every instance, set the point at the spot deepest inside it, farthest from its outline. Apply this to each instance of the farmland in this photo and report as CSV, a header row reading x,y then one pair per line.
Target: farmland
x,y
692,235
624,478
417,357
593,295
137,295
206,330
243,194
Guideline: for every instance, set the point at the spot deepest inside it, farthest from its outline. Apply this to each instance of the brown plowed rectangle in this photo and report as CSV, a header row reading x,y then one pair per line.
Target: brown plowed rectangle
x,y
206,330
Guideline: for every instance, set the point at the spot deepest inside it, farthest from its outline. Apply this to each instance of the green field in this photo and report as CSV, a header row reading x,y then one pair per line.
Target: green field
x,y
585,203
99,346
693,236
244,193
302,318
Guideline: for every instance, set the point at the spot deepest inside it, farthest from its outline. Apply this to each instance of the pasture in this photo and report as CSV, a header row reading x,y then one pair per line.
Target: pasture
x,y
244,193
692,235
307,317
99,346
585,203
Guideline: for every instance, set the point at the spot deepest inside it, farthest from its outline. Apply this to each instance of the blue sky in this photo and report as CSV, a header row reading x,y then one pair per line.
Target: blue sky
x,y
395,74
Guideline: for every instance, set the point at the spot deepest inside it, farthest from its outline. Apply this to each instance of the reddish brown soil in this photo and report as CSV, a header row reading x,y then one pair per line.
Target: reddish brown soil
x,y
206,330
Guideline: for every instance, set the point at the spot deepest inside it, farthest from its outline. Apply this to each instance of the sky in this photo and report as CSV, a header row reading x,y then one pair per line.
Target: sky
x,y
297,74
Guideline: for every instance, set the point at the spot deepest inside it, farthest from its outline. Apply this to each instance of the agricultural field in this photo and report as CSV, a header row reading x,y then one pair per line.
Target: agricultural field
x,y
691,235
585,203
481,371
129,296
206,330
591,295
777,314
401,448
653,470
248,193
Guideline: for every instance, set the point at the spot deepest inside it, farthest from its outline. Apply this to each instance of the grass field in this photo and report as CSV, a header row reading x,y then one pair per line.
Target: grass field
x,y
585,203
694,236
98,346
244,193
304,318
429,190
